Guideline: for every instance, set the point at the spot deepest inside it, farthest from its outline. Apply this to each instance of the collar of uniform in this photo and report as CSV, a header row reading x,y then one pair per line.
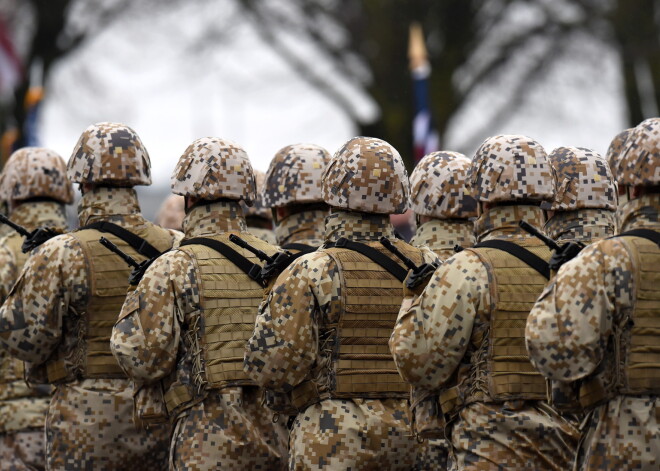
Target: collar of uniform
x,y
501,222
40,214
582,225
641,212
307,226
440,234
357,226
108,204
214,218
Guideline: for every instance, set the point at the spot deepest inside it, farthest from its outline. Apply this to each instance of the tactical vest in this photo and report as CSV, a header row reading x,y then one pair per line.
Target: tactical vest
x,y
500,369
632,363
108,284
361,364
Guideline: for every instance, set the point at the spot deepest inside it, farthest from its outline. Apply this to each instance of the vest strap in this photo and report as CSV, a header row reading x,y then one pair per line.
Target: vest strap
x,y
374,255
521,253
252,270
648,234
139,244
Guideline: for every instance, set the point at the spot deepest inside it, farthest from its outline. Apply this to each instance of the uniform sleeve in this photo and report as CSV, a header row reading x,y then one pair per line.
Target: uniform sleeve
x,y
433,330
31,318
567,330
8,272
146,337
284,345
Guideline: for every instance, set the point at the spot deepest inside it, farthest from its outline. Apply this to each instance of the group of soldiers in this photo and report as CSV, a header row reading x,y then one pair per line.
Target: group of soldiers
x,y
519,328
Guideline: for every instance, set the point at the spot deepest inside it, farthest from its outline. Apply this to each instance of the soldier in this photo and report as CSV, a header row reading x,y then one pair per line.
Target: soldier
x,y
258,216
293,191
35,184
322,332
171,213
463,334
612,157
189,318
60,313
598,324
442,205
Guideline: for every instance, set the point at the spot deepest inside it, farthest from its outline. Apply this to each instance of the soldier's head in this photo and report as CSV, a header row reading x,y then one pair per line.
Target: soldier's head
x,y
293,180
510,169
111,155
258,215
171,213
366,174
614,153
438,187
213,169
35,173
638,169
583,181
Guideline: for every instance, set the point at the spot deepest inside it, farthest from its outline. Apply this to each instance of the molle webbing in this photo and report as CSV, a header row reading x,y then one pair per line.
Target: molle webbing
x,y
229,300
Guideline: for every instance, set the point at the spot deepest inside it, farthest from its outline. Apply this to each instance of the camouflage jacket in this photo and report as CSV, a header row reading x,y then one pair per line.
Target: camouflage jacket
x,y
22,406
442,235
582,225
305,227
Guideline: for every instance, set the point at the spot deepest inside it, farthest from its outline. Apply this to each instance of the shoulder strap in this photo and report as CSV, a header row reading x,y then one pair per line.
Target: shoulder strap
x,y
521,253
374,255
303,248
648,234
253,270
140,245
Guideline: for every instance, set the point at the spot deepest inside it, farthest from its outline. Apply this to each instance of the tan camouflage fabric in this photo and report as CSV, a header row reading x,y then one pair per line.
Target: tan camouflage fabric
x,y
228,429
284,350
258,208
35,172
305,227
438,187
294,175
212,168
112,154
367,174
23,451
510,168
615,150
582,225
567,333
583,180
639,163
90,422
442,236
429,343
267,235
171,213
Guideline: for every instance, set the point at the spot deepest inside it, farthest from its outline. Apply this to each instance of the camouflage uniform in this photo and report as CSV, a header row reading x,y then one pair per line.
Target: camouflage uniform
x,y
443,206
168,330
450,337
258,217
345,421
587,326
29,173
48,319
612,157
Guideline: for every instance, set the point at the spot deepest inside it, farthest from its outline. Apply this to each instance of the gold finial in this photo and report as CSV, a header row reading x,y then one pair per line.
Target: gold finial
x,y
416,47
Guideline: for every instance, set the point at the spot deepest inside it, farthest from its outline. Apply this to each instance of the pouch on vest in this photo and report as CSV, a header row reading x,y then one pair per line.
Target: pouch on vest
x,y
149,405
428,420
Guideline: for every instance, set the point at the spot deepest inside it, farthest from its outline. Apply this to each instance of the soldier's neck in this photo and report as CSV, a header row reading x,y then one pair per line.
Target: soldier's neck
x,y
35,214
301,226
501,222
357,226
214,218
107,203
582,225
642,212
441,234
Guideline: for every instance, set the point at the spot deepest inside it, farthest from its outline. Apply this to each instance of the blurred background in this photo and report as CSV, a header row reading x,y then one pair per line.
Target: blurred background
x,y
268,73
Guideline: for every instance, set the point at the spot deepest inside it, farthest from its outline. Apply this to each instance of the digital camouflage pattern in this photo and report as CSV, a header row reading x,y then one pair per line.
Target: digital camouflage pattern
x,y
155,338
438,187
294,175
90,421
366,174
285,350
258,208
430,341
23,450
615,150
212,168
583,180
639,163
567,335
510,168
582,225
171,213
110,153
304,227
35,172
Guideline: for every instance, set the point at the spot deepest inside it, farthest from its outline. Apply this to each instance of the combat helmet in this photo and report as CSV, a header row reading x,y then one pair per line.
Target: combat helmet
x,y
35,172
259,209
583,180
366,174
294,175
510,168
615,149
212,168
438,187
110,154
639,163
